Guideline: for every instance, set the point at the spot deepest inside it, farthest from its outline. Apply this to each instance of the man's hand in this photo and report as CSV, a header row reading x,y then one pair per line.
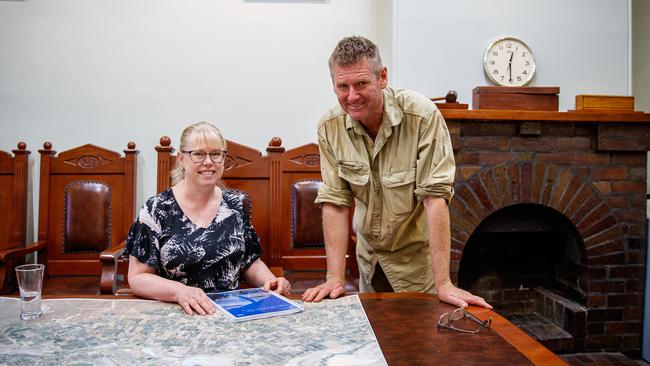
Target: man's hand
x,y
460,298
279,285
193,299
332,287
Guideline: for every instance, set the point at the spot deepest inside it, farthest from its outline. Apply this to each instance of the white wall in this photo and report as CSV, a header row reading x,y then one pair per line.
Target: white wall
x,y
579,45
109,72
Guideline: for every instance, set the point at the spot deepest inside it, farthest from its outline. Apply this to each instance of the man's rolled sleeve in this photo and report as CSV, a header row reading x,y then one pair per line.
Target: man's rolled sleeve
x,y
334,189
436,168
335,196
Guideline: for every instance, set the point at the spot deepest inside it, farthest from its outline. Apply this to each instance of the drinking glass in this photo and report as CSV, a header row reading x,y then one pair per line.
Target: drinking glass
x,y
30,283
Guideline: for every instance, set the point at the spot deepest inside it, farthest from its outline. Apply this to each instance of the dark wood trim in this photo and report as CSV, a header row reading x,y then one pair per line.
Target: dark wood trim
x,y
518,115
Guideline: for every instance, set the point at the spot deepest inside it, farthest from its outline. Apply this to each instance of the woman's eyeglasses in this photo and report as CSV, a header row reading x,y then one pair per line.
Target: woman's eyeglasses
x,y
198,156
450,320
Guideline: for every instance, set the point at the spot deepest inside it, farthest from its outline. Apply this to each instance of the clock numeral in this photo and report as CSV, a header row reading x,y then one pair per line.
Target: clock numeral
x,y
496,72
500,47
495,53
523,54
492,62
518,78
525,72
509,45
502,77
527,63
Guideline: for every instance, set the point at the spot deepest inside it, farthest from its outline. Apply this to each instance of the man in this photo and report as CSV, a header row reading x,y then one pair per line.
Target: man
x,y
390,151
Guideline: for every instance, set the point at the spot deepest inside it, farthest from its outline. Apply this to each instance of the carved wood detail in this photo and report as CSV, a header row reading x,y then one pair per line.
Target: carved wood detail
x,y
88,161
233,162
307,159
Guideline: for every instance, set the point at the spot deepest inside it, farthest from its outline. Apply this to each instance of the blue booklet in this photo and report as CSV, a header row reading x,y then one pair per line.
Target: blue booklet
x,y
253,303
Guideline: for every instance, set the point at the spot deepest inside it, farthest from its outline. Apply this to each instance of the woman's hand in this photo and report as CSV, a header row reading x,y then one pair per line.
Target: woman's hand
x,y
193,299
279,285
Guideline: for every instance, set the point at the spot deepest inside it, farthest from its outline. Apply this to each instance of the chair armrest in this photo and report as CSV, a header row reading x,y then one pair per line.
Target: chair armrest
x,y
113,253
7,255
10,258
111,259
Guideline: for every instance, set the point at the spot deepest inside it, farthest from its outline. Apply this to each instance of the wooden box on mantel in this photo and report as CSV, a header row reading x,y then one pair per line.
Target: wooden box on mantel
x,y
617,103
531,98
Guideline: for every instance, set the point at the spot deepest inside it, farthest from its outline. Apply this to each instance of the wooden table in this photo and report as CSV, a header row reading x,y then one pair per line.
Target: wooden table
x,y
405,326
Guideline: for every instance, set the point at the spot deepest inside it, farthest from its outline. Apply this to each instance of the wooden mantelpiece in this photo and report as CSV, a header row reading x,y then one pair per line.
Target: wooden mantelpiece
x,y
517,115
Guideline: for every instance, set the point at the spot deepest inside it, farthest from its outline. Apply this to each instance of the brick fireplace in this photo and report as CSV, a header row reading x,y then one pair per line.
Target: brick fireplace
x,y
549,221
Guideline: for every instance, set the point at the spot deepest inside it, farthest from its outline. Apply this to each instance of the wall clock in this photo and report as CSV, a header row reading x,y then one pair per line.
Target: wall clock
x,y
509,62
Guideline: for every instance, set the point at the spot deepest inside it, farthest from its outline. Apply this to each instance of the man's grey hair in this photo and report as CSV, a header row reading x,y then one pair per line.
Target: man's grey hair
x,y
351,50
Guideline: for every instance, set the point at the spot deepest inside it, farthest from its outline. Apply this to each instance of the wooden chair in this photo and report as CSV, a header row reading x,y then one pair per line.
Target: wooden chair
x,y
13,205
86,206
296,239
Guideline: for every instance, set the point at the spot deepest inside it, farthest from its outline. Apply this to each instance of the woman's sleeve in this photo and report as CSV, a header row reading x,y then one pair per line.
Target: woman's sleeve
x,y
253,249
143,240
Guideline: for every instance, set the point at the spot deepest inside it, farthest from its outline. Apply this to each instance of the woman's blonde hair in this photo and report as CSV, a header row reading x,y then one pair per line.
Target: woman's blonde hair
x,y
199,132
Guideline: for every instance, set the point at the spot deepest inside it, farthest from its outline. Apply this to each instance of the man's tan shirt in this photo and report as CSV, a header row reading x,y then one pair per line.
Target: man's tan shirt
x,y
410,158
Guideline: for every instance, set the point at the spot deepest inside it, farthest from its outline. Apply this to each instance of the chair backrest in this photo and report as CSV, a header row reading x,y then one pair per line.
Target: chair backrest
x,y
245,169
297,239
13,196
86,205
295,220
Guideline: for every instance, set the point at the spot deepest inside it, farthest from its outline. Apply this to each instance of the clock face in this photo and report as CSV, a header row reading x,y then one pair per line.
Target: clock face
x,y
509,62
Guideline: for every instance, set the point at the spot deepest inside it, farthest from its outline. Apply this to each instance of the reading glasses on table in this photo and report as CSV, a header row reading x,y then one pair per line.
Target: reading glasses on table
x,y
450,320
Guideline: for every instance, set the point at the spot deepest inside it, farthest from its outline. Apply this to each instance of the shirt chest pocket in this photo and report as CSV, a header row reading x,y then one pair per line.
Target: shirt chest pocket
x,y
399,191
357,174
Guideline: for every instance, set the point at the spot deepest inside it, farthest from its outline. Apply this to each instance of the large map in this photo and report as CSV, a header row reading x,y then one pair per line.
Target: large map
x,y
128,332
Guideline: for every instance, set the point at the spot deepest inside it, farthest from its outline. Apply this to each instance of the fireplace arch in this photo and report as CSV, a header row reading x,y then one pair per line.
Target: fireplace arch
x,y
556,187
524,246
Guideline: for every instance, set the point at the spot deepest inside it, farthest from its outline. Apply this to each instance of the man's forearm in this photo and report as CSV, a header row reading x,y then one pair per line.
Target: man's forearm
x,y
437,215
336,232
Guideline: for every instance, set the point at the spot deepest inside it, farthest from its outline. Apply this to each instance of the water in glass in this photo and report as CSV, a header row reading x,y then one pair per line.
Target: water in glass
x,y
30,302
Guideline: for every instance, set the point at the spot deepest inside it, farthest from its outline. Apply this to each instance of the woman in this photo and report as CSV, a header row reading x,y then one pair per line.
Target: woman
x,y
197,236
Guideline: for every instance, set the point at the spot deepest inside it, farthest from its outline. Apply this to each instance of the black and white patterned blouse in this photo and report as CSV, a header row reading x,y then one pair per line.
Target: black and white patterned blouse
x,y
210,258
